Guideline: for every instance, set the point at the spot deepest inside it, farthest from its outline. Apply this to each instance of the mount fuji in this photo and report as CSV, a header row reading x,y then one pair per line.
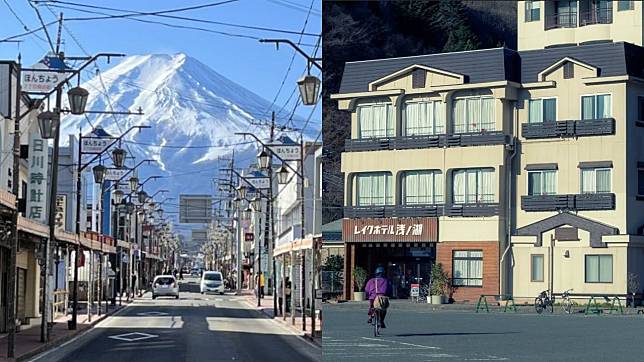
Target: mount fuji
x,y
193,113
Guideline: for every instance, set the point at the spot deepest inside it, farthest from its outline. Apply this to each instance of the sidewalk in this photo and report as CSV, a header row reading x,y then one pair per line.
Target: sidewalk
x,y
28,341
267,309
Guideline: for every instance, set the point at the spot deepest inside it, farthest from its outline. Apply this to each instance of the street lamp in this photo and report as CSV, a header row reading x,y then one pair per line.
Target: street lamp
x,y
282,175
118,156
99,173
263,159
309,86
256,203
247,213
48,122
118,196
77,100
241,191
134,183
142,195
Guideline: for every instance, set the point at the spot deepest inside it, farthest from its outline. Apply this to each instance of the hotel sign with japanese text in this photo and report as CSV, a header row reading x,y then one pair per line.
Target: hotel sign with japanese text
x,y
418,229
38,165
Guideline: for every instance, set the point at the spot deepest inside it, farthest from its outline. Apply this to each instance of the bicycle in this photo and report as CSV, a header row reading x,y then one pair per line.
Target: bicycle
x,y
543,301
567,302
376,322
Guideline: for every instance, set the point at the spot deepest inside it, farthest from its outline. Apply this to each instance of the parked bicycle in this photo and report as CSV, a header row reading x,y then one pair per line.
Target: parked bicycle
x,y
543,301
567,302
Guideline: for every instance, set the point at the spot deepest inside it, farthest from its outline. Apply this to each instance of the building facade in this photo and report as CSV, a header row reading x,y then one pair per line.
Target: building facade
x,y
478,160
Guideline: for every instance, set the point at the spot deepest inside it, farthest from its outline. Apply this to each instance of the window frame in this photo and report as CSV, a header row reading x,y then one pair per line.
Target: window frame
x,y
541,172
473,169
598,256
403,187
528,11
594,169
640,195
595,95
541,99
543,263
392,121
480,97
384,197
468,258
441,107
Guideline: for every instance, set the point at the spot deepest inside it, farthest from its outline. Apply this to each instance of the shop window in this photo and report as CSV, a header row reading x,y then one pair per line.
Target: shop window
x,y
475,185
474,114
542,182
599,268
532,10
542,110
536,268
374,189
595,180
467,268
422,187
596,106
375,120
424,118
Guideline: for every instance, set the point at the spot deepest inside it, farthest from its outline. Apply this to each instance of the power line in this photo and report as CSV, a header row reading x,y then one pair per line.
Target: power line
x,y
294,6
51,44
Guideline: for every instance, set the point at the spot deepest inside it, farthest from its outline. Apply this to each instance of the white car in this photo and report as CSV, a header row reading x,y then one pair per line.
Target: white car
x,y
165,285
212,282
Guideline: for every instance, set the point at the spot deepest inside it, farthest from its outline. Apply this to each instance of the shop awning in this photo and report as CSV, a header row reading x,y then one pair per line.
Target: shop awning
x,y
8,199
32,227
295,245
67,237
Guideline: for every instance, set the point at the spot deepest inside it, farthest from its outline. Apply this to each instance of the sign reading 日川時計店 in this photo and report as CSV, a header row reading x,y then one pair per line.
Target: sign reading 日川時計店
x,y
38,166
390,229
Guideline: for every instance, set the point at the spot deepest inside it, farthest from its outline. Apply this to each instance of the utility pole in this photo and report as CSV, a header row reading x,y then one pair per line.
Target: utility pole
x,y
270,218
303,232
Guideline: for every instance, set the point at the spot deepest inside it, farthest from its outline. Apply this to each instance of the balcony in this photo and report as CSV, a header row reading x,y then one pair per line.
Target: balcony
x,y
597,16
561,20
570,128
472,210
427,141
433,210
570,202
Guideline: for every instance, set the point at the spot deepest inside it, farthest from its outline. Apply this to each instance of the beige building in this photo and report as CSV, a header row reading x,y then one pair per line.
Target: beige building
x,y
498,154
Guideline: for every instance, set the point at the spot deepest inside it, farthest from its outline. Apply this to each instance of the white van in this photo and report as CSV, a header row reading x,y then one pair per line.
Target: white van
x,y
212,282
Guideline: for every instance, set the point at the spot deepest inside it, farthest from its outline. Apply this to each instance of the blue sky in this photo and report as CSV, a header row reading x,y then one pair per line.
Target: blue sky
x,y
256,66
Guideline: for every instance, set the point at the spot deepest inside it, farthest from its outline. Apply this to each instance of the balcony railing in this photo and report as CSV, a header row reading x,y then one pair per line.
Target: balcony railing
x,y
566,19
570,202
570,128
427,141
597,16
430,210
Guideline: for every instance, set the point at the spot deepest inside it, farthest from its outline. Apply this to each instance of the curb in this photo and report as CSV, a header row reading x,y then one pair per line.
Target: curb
x,y
60,341
306,336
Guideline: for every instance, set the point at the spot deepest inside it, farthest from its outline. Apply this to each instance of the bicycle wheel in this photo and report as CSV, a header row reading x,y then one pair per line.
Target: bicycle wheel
x,y
538,305
551,304
567,306
376,323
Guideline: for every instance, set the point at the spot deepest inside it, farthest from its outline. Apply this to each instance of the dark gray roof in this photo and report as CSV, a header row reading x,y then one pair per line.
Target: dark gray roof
x,y
332,231
486,65
497,64
610,58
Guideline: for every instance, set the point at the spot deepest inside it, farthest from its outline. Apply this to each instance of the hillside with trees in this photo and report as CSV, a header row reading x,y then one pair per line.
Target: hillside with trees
x,y
355,31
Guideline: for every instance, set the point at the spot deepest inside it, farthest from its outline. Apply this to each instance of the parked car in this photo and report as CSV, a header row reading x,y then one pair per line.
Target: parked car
x,y
212,282
195,271
165,286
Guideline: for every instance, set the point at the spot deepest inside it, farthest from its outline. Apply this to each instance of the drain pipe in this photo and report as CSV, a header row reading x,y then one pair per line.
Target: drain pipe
x,y
508,221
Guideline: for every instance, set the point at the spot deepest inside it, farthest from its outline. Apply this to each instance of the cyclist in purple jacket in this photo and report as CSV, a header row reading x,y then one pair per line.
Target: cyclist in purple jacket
x,y
383,287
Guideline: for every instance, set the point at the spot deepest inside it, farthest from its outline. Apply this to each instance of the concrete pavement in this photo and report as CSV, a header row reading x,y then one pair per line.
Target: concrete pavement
x,y
194,328
417,333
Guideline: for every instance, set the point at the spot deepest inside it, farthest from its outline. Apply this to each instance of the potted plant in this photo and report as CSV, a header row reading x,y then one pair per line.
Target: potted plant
x,y
360,278
439,284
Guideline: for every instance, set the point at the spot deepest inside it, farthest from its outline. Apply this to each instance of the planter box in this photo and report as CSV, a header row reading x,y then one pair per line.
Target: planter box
x,y
358,296
435,299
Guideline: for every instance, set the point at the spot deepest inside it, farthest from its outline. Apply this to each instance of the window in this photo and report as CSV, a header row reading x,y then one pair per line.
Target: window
x,y
536,268
374,189
473,185
596,106
625,5
640,181
467,268
599,268
542,110
640,109
474,114
422,187
569,70
532,10
595,180
375,120
418,78
424,118
542,182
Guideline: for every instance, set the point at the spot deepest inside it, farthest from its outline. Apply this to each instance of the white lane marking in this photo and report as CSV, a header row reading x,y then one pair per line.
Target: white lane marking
x,y
153,313
403,343
134,336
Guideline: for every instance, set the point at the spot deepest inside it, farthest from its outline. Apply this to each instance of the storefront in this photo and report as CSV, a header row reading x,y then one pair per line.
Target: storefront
x,y
405,247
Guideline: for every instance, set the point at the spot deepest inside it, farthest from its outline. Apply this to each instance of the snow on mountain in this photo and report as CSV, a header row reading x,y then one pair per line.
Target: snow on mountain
x,y
192,110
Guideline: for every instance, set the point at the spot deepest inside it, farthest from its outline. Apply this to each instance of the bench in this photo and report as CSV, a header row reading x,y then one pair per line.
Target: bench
x,y
484,297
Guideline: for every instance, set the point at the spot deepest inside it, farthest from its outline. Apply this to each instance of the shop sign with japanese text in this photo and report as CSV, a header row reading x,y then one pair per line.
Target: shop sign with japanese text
x,y
38,165
115,174
259,182
94,144
61,204
420,229
287,152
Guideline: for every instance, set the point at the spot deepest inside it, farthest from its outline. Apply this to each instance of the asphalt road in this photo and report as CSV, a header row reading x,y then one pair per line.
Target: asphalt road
x,y
193,328
414,333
